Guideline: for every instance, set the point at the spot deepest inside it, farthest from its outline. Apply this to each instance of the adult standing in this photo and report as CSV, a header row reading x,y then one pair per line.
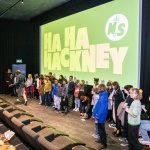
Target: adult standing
x,y
71,88
21,86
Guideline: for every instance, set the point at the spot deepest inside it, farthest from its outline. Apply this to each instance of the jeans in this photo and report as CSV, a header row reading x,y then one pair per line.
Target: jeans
x,y
102,131
96,129
83,107
144,128
77,102
30,91
47,99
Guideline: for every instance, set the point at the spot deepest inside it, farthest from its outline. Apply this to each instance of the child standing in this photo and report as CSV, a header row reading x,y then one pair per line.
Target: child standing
x,y
40,83
117,98
95,98
134,113
47,91
54,93
29,83
58,97
128,103
76,95
64,99
100,114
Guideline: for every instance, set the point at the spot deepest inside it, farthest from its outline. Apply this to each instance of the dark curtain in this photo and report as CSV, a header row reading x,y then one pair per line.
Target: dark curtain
x,y
18,40
145,50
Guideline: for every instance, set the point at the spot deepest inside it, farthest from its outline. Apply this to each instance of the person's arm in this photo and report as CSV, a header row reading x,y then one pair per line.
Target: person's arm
x,y
129,111
143,107
134,111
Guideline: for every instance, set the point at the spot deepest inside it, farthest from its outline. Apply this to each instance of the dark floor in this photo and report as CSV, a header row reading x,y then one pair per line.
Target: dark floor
x,y
71,123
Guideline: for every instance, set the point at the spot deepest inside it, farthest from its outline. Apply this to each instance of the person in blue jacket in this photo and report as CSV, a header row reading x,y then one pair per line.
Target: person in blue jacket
x,y
100,114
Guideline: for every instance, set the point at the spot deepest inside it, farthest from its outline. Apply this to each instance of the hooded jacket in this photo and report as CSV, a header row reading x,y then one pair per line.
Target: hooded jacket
x,y
101,108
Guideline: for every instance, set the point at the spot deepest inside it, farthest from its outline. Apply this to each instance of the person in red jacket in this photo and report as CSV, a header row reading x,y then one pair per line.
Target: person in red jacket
x,y
76,95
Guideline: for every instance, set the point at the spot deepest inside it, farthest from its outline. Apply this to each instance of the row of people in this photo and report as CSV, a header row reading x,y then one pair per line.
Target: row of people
x,y
104,102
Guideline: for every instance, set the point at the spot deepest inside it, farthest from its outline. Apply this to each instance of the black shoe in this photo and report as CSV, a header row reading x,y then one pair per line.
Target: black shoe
x,y
25,103
103,146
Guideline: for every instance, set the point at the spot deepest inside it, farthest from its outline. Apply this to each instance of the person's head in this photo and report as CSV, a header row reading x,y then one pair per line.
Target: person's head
x,y
56,81
115,85
82,82
61,77
136,93
47,78
18,72
109,84
78,82
11,76
41,77
127,89
70,78
50,74
36,75
29,76
64,81
9,71
96,81
101,88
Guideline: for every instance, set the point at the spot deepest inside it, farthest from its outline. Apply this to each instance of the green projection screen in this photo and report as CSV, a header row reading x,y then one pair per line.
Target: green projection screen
x,y
101,42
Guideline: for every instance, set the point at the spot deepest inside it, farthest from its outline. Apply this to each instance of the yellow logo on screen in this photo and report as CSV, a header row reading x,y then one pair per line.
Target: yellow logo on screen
x,y
78,54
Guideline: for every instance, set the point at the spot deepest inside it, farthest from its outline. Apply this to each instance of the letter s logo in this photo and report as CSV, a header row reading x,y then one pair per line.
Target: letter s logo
x,y
116,27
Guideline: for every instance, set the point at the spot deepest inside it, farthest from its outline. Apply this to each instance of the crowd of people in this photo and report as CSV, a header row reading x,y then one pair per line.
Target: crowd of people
x,y
123,109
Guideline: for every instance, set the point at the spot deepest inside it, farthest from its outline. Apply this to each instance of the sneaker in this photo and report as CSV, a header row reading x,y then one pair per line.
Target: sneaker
x,y
74,109
122,139
83,120
112,125
145,142
124,144
77,110
141,139
81,114
95,136
85,116
17,100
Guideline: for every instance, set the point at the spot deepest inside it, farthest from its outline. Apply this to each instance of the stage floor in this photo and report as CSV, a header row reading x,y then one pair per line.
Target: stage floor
x,y
70,124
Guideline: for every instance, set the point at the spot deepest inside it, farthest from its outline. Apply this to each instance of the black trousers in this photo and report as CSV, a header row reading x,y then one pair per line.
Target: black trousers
x,y
133,133
125,128
102,131
118,122
109,116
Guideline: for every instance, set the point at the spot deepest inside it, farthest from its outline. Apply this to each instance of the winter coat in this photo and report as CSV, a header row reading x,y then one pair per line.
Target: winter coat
x,y
55,89
101,108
